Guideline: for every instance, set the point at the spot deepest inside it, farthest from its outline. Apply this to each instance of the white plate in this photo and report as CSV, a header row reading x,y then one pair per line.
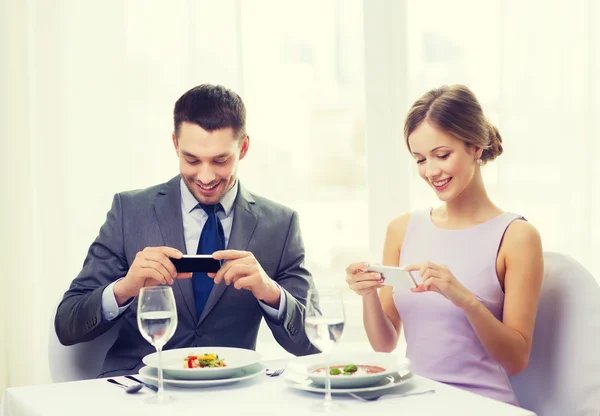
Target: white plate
x,y
149,375
235,359
391,363
300,382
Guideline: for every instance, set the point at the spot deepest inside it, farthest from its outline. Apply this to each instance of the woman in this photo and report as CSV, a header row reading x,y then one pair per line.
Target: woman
x,y
470,320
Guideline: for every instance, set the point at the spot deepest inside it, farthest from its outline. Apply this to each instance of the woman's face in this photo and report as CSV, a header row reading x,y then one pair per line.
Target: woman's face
x,y
444,162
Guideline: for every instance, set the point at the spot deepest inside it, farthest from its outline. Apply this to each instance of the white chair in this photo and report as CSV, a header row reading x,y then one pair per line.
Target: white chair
x,y
563,375
81,361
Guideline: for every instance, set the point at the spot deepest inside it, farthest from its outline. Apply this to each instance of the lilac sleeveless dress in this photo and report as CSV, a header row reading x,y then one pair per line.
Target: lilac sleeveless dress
x,y
441,344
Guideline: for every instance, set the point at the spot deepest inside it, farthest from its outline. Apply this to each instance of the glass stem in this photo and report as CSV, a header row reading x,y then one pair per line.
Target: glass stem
x,y
161,390
328,382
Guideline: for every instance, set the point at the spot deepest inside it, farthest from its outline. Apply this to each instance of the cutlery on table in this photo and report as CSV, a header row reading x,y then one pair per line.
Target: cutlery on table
x,y
373,398
274,373
148,386
128,389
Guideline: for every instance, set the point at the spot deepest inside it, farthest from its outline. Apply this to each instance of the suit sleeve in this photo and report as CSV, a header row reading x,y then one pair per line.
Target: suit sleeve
x,y
294,280
79,314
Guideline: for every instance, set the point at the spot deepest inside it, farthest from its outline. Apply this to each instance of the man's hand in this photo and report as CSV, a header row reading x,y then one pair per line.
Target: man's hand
x,y
245,272
151,267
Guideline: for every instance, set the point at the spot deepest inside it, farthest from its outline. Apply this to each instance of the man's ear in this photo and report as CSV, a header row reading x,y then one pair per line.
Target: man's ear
x,y
244,145
175,143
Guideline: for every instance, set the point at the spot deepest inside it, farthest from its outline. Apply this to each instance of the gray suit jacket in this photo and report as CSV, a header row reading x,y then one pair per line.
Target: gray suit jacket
x,y
152,217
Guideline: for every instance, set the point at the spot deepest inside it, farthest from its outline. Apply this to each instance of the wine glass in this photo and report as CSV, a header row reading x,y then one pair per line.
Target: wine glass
x,y
324,324
157,321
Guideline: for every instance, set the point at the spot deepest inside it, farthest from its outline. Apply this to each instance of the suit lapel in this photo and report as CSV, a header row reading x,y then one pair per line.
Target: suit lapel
x,y
167,206
244,224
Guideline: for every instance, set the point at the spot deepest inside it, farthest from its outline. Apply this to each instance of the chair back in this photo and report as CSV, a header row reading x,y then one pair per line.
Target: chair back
x,y
80,361
563,374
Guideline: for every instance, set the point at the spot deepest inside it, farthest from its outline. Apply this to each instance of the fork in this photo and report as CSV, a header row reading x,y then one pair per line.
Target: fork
x,y
373,398
274,373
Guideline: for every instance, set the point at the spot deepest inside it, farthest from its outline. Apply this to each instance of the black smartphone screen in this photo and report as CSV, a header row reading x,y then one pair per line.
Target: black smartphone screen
x,y
188,264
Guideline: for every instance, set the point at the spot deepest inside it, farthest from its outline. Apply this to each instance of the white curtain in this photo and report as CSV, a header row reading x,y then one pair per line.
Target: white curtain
x,y
87,111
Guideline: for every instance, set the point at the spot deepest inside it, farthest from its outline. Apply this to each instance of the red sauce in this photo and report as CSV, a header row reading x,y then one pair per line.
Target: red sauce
x,y
361,369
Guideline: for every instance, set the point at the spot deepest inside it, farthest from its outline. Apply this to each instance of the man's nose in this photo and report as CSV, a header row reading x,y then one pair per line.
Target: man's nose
x,y
205,174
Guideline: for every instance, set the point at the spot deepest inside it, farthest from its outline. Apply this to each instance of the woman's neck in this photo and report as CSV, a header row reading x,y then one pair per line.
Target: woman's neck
x,y
472,206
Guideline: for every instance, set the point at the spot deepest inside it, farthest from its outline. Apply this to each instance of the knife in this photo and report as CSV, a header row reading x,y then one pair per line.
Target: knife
x,y
150,386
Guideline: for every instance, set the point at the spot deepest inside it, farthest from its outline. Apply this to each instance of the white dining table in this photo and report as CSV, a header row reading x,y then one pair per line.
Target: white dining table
x,y
260,395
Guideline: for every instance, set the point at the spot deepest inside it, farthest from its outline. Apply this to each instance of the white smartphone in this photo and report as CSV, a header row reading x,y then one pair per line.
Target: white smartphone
x,y
394,276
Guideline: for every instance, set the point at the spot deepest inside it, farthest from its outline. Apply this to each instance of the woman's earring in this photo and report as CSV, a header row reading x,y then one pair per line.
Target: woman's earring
x,y
479,162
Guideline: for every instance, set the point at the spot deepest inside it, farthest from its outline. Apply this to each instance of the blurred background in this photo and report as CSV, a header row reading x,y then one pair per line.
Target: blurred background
x,y
88,90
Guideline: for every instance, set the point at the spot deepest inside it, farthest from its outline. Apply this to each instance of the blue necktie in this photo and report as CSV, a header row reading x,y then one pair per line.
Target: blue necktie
x,y
212,239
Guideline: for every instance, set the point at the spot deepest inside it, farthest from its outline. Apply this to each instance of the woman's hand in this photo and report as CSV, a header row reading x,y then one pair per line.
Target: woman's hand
x,y
361,281
438,278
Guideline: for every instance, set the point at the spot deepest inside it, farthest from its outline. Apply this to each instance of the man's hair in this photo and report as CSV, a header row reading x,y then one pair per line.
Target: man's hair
x,y
211,107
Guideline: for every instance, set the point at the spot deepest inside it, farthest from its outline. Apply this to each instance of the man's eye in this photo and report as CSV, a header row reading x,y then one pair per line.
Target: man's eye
x,y
192,162
220,162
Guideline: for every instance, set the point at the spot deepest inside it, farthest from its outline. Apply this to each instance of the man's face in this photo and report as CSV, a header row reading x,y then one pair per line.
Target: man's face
x,y
208,161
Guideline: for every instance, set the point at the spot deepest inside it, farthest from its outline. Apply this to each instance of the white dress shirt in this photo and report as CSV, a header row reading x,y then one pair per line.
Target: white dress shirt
x,y
194,218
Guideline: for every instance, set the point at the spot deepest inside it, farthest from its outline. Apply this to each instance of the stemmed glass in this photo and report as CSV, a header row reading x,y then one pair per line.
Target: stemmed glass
x,y
157,321
324,324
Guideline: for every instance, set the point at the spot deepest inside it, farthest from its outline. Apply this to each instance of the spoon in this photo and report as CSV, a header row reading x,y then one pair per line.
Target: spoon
x,y
128,389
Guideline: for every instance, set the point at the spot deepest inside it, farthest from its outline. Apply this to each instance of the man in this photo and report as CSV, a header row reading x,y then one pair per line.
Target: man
x,y
203,210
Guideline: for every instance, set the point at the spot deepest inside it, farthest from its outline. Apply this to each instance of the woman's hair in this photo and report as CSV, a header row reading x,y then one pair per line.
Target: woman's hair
x,y
455,110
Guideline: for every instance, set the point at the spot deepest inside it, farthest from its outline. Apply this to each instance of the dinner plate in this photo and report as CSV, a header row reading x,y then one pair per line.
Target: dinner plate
x,y
300,382
385,364
149,375
173,362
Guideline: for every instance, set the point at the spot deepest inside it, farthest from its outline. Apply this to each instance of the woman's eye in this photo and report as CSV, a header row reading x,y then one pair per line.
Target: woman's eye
x,y
419,161
444,156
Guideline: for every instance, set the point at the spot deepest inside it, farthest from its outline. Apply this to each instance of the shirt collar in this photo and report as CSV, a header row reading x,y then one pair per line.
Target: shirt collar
x,y
190,202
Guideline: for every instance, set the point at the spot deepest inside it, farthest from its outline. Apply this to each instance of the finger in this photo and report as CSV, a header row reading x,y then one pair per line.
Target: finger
x,y
160,257
230,254
166,265
152,273
238,270
428,273
431,284
357,267
184,275
363,277
246,282
160,268
167,251
418,289
412,267
365,285
218,276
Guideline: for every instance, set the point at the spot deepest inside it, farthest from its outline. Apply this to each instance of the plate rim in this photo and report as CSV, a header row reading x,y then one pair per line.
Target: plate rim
x,y
203,382
257,359
300,366
397,380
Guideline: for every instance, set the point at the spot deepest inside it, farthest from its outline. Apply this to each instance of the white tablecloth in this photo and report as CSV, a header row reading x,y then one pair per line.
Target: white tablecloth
x,y
261,395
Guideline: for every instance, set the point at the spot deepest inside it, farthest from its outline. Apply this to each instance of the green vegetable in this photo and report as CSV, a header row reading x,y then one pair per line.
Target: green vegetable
x,y
350,368
346,373
335,371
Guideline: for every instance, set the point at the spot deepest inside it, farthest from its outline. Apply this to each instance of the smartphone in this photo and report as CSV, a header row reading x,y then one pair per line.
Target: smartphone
x,y
394,276
196,263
